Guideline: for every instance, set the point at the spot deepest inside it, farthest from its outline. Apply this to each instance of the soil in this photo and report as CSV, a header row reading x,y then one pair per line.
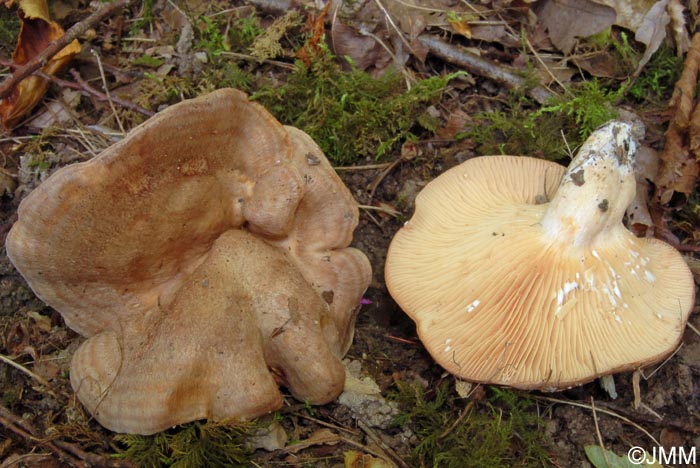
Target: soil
x,y
34,336
385,344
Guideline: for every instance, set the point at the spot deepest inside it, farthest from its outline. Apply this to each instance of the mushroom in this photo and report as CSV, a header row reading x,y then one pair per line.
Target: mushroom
x,y
206,258
508,287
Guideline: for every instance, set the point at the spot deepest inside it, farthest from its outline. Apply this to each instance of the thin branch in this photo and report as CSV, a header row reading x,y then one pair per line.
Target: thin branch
x,y
83,85
604,411
597,432
106,90
20,367
64,451
389,453
56,46
478,66
99,95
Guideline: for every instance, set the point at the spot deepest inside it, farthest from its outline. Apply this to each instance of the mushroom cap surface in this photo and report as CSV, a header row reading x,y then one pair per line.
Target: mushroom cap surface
x,y
498,300
206,258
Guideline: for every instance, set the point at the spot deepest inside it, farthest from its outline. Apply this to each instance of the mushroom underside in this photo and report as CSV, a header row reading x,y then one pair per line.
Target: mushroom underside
x,y
512,306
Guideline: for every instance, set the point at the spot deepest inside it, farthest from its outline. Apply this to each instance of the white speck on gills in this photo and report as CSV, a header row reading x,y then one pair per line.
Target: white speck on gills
x,y
649,276
473,305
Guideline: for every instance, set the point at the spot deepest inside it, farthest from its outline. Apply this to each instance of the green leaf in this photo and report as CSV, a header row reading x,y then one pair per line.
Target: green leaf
x,y
597,456
148,61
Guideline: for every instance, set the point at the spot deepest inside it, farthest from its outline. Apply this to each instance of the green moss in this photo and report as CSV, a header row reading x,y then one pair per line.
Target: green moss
x,y
350,114
244,31
146,18
656,82
524,129
209,38
197,444
501,432
9,30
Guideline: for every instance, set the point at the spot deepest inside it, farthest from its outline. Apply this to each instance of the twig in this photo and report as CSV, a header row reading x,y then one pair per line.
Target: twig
x,y
327,424
461,417
106,90
604,411
84,86
27,432
544,65
91,458
62,450
389,453
250,58
653,419
20,367
381,209
481,67
647,377
378,180
366,167
56,46
273,6
597,432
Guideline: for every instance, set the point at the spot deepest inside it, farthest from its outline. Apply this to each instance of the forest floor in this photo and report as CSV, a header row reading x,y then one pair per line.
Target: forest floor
x,y
386,146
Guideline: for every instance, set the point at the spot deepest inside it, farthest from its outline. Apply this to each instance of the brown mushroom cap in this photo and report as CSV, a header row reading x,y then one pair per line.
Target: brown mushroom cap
x,y
199,253
499,297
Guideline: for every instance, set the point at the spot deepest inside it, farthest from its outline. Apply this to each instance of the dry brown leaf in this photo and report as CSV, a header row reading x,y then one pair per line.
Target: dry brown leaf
x,y
629,13
355,459
652,31
678,26
602,64
37,31
461,26
377,34
358,32
645,169
319,437
679,168
567,20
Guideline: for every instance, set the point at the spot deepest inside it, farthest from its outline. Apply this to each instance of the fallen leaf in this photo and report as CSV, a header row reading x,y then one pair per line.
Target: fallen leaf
x,y
355,459
567,20
491,33
602,64
645,169
46,368
629,14
603,458
58,112
37,31
319,437
463,388
679,169
7,184
461,26
678,26
456,121
42,321
652,31
270,438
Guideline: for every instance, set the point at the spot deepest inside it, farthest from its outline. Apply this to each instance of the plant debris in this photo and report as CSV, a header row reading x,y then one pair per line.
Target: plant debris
x,y
385,89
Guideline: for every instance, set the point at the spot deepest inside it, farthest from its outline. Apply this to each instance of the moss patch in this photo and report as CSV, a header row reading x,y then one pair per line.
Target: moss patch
x,y
502,431
197,444
549,131
351,115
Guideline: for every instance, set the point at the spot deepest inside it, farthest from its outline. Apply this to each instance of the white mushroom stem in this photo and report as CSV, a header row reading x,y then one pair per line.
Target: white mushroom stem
x,y
596,189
